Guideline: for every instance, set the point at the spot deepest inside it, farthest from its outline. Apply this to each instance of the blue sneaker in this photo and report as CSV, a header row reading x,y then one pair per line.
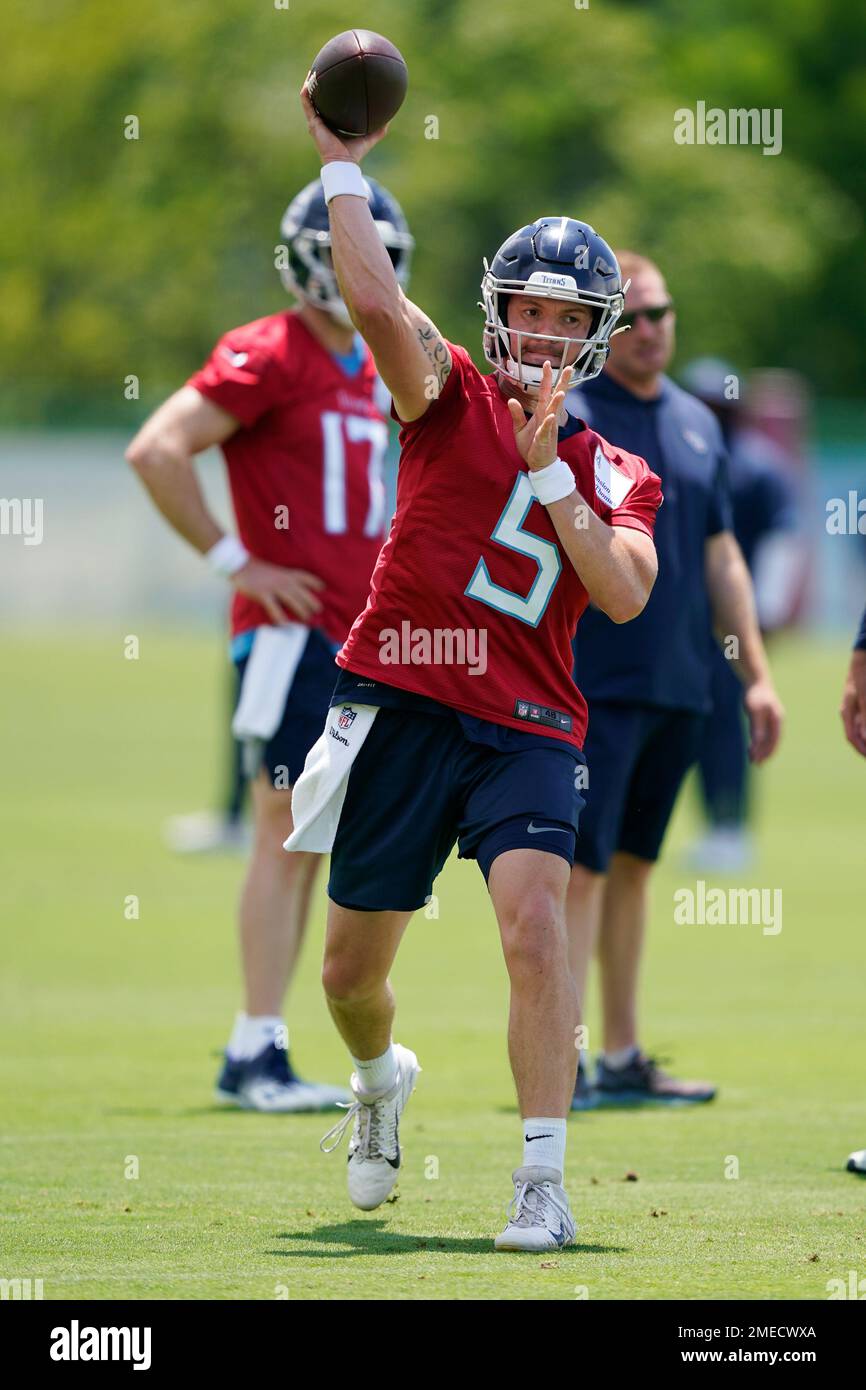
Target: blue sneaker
x,y
643,1082
267,1082
585,1095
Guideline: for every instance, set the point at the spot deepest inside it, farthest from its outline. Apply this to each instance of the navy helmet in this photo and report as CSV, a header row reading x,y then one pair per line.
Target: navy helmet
x,y
552,258
306,232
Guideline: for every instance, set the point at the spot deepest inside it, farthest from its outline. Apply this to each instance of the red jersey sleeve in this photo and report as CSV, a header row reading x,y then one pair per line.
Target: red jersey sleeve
x,y
627,492
242,376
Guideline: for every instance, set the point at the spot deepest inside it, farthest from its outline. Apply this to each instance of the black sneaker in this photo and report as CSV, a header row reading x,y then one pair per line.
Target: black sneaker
x,y
267,1082
585,1095
642,1081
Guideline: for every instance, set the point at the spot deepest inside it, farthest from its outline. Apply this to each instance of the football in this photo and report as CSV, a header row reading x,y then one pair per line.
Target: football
x,y
358,82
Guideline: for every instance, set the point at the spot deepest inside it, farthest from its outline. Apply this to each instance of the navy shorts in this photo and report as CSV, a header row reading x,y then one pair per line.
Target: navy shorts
x,y
284,754
637,757
420,784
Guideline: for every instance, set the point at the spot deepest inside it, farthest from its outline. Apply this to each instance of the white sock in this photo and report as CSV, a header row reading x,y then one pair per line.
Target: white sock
x,y
252,1034
379,1074
544,1144
236,1040
621,1057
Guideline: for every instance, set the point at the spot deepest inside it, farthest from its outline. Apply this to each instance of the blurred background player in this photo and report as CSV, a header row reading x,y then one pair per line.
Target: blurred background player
x,y
853,712
761,480
296,405
648,684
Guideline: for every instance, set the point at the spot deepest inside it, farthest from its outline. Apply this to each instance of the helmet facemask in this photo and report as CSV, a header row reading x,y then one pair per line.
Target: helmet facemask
x,y
310,274
504,346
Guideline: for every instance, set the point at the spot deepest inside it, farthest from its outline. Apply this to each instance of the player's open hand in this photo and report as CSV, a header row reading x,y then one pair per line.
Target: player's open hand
x,y
330,145
286,595
853,708
536,437
765,715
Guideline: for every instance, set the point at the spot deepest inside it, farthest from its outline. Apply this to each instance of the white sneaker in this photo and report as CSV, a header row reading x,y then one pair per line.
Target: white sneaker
x,y
287,1098
857,1161
723,850
207,832
539,1217
374,1148
268,1083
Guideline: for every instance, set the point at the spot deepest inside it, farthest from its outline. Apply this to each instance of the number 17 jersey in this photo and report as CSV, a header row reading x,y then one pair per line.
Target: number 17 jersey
x,y
473,602
306,466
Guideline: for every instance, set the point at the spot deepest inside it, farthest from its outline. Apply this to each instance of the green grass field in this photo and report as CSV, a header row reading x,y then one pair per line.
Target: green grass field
x,y
110,1026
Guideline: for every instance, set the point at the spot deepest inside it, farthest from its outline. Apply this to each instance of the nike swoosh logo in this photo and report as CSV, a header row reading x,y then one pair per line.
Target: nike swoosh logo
x,y
395,1162
529,1137
546,830
237,359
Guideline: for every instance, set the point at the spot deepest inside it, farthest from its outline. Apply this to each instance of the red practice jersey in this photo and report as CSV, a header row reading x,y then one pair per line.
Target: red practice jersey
x,y
306,468
473,602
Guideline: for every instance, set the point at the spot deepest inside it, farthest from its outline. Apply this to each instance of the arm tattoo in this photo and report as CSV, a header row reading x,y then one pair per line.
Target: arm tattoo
x,y
437,352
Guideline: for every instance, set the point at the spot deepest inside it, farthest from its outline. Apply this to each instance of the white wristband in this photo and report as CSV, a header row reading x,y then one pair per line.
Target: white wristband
x,y
343,176
228,556
553,482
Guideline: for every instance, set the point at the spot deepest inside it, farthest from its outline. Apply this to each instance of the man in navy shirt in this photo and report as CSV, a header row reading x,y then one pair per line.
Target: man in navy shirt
x,y
648,681
764,503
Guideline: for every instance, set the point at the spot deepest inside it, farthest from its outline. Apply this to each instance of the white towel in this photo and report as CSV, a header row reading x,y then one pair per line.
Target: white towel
x,y
319,793
270,670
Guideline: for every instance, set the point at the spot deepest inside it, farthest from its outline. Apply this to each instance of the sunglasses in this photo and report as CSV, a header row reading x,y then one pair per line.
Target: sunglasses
x,y
654,315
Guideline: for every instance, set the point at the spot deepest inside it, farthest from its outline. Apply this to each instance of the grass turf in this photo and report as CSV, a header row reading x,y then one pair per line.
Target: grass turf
x,y
109,1026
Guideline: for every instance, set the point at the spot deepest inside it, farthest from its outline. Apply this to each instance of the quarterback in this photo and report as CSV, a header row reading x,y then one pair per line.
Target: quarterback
x,y
511,516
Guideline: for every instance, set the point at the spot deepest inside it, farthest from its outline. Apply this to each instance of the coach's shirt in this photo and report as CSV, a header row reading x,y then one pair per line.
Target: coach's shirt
x,y
662,657
473,602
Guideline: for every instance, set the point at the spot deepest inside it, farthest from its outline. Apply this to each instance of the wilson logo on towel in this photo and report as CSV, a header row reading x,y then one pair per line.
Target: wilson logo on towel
x,y
610,485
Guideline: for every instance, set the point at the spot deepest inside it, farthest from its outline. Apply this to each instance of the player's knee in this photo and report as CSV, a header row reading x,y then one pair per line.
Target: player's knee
x,y
584,882
533,934
346,981
273,819
630,867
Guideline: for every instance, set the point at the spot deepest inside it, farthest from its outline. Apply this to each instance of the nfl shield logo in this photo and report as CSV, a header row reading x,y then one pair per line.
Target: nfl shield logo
x,y
347,717
522,709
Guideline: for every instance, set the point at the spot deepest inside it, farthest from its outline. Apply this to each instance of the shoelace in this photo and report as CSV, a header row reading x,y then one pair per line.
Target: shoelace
x,y
652,1067
337,1131
528,1213
375,1138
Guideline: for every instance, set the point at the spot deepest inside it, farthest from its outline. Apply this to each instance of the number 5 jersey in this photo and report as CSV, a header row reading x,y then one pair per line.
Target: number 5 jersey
x,y
473,602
